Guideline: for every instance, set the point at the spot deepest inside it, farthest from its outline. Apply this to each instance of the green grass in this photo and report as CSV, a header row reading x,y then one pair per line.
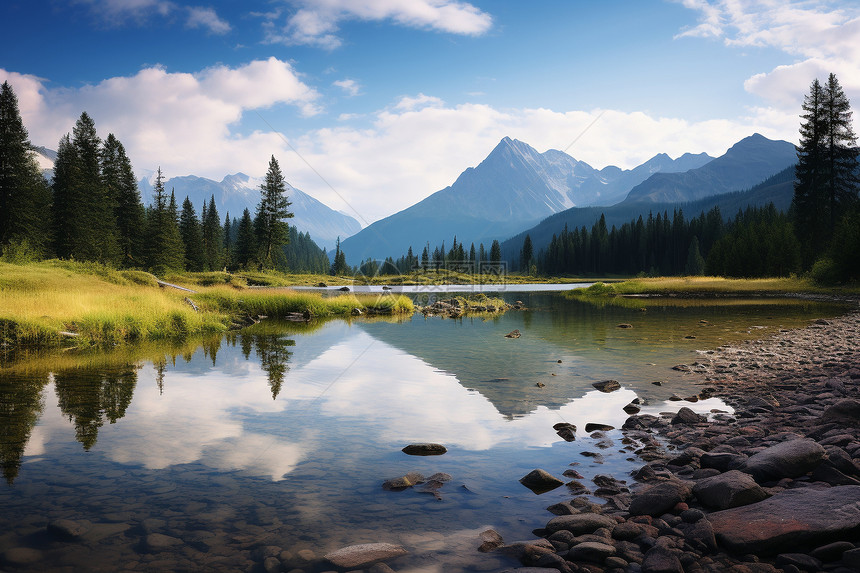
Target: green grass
x,y
97,305
710,286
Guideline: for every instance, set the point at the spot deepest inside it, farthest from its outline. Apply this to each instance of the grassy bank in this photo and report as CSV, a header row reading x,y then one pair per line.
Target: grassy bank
x,y
90,304
712,286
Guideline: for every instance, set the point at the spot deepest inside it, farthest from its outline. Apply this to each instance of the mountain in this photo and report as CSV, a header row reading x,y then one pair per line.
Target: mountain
x,y
512,189
238,192
777,189
745,164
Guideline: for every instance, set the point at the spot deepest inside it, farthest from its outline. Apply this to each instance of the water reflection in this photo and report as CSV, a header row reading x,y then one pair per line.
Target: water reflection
x,y
21,406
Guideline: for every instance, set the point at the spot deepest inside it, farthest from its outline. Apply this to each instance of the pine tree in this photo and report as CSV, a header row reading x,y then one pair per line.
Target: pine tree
x,y
164,247
826,183
495,252
339,266
121,186
228,241
269,226
64,198
24,196
95,236
526,255
213,241
695,262
192,237
246,243
841,141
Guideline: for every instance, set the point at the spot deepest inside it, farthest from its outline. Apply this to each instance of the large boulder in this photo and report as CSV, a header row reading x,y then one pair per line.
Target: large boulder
x,y
659,498
788,459
607,385
790,519
425,449
360,556
731,489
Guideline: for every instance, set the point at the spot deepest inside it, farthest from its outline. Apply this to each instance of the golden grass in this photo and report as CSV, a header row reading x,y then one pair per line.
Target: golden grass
x,y
100,305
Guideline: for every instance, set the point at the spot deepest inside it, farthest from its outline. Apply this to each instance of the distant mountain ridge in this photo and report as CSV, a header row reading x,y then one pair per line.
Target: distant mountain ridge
x,y
746,163
512,189
238,192
234,194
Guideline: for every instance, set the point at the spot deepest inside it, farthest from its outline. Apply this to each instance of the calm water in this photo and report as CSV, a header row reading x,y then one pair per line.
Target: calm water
x,y
283,434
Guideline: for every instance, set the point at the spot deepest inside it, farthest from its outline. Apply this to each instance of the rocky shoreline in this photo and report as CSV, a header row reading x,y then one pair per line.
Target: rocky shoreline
x,y
773,487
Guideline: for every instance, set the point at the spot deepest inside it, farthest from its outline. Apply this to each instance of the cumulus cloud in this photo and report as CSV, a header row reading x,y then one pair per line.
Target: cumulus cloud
x,y
184,122
825,38
316,22
120,12
351,87
208,19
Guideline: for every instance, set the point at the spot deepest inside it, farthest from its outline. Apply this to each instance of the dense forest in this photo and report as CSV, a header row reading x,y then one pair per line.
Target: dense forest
x,y
91,210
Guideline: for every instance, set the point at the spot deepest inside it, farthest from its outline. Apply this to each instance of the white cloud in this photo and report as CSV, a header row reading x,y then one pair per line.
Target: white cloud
x,y
316,22
351,87
825,39
207,18
181,121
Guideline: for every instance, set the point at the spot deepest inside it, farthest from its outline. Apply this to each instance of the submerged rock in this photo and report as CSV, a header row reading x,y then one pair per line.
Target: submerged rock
x,y
514,334
360,556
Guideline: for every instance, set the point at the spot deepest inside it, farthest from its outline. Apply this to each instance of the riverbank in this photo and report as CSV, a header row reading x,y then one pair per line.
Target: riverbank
x,y
773,487
717,287
88,304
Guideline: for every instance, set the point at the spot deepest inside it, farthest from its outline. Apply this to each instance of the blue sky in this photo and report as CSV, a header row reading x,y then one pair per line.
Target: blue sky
x,y
371,105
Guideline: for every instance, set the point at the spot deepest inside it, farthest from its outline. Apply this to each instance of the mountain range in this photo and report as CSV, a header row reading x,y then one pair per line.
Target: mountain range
x,y
514,188
238,192
234,194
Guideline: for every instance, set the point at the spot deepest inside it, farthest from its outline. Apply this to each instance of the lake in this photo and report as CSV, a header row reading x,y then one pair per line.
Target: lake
x,y
282,434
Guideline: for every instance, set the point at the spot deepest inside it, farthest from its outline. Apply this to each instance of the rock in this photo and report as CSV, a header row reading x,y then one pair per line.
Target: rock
x,y
425,449
67,529
731,489
565,430
580,523
21,556
540,481
800,560
829,474
699,535
659,498
380,568
787,459
722,461
263,552
661,560
322,285
590,551
155,542
851,558
344,289
607,385
490,539
624,325
363,555
514,334
789,519
271,565
592,427
687,416
402,482
832,551
844,412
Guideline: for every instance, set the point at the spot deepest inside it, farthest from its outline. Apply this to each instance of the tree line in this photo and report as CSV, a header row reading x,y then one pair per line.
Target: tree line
x,y
92,210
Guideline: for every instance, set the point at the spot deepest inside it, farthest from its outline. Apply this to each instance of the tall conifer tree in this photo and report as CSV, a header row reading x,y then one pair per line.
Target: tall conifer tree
x,y
192,237
270,227
24,196
164,250
246,242
118,177
213,241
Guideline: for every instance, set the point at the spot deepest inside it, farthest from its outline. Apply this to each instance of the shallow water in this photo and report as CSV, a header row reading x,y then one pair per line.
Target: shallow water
x,y
283,434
